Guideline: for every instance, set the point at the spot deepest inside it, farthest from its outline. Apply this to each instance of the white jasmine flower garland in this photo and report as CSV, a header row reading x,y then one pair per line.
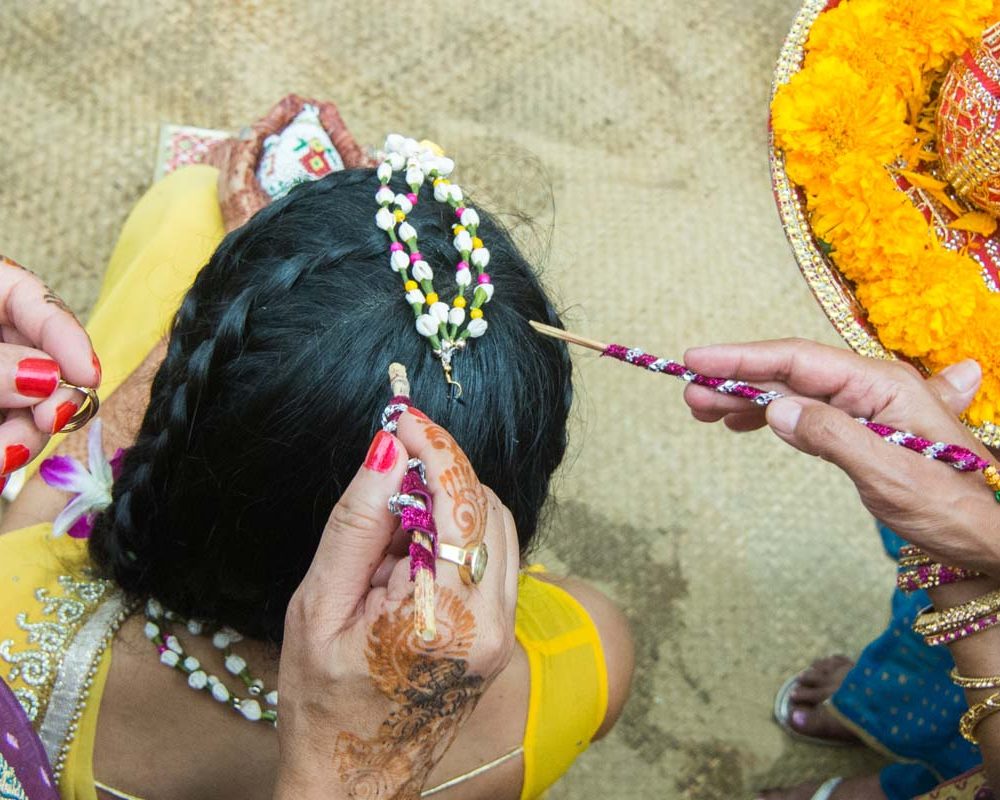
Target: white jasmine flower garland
x,y
172,654
434,319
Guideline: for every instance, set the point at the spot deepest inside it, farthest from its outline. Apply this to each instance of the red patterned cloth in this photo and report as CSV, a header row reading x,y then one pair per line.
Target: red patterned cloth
x,y
970,786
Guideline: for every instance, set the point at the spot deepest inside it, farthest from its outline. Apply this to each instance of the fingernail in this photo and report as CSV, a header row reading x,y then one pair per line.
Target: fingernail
x,y
15,456
418,413
3,482
36,377
97,366
64,413
783,415
382,453
799,719
963,376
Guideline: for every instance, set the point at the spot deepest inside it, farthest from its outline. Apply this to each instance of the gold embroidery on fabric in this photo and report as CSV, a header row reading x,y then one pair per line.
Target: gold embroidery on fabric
x,y
35,667
75,679
28,701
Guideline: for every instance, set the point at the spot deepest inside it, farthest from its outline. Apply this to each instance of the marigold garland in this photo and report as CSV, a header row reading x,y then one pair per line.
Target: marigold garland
x,y
858,105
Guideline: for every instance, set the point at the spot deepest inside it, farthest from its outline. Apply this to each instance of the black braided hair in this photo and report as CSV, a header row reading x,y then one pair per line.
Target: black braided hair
x,y
271,388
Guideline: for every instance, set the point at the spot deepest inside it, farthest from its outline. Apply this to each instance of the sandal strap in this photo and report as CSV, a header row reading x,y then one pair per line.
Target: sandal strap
x,y
826,790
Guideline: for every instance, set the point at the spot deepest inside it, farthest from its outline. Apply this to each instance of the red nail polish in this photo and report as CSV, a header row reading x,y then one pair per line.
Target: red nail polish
x,y
97,366
14,457
382,453
3,482
36,377
64,413
418,413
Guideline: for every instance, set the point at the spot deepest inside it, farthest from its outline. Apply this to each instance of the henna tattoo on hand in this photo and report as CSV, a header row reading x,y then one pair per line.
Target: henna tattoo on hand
x,y
53,299
10,262
460,484
470,506
49,296
432,693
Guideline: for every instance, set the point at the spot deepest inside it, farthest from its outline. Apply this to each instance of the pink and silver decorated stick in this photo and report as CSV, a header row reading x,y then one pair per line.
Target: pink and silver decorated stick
x,y
413,505
961,458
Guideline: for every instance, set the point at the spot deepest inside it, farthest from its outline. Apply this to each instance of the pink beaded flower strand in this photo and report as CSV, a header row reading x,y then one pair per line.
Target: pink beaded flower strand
x,y
956,456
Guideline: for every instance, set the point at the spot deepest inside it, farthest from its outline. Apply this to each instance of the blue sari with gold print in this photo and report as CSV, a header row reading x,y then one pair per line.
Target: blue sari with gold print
x,y
900,700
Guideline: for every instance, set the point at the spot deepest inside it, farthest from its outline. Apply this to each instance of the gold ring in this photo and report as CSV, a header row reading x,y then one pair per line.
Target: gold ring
x,y
471,561
86,412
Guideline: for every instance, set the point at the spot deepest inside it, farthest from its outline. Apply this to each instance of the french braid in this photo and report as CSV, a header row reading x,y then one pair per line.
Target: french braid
x,y
267,398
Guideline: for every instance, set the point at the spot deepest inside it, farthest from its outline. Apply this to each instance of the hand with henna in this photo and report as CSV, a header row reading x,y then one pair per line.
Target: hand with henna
x,y
367,706
42,343
240,193
951,515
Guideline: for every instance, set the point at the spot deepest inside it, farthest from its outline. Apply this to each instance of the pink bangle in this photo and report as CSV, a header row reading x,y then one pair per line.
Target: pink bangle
x,y
977,625
927,576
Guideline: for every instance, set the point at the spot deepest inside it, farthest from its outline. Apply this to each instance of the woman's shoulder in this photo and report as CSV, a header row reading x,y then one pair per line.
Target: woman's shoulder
x,y
32,558
579,616
46,596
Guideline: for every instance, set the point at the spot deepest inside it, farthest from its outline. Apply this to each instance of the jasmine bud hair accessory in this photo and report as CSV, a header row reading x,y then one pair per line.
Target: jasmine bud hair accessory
x,y
447,328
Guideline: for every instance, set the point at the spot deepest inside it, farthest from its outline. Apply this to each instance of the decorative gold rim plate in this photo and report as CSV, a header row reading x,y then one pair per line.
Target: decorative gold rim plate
x,y
831,289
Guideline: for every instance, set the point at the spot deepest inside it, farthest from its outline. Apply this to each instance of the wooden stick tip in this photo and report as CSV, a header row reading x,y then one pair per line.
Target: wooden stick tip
x,y
399,383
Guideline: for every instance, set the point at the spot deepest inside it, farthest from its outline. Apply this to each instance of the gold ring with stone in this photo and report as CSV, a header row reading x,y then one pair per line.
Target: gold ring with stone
x,y
86,412
471,561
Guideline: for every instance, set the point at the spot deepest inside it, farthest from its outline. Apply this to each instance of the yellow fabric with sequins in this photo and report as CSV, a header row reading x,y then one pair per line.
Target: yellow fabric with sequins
x,y
46,598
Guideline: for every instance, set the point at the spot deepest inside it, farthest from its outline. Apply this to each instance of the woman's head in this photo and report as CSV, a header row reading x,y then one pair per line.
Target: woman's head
x,y
270,393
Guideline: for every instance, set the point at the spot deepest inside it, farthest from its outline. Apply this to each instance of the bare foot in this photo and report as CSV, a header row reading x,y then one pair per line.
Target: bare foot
x,y
863,787
817,684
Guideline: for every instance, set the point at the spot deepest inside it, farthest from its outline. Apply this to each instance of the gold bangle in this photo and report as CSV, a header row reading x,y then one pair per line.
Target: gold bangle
x,y
975,715
990,682
912,556
915,560
932,622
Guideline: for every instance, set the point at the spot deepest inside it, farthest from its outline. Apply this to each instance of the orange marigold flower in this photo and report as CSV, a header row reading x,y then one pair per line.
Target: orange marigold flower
x,y
936,32
830,111
978,341
855,33
855,115
919,311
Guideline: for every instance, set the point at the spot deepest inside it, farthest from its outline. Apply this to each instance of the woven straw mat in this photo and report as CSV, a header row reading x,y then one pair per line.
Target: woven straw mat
x,y
633,134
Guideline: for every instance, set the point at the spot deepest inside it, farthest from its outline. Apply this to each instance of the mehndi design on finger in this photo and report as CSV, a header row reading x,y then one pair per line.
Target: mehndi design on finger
x,y
461,485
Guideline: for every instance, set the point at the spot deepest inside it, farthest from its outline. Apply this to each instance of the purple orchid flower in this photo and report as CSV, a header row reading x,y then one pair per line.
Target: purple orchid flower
x,y
92,488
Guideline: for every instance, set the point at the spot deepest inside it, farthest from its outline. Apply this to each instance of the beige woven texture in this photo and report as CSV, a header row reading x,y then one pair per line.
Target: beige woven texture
x,y
634,133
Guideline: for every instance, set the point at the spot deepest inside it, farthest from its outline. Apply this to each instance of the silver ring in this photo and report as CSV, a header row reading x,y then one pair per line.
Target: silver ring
x,y
471,561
